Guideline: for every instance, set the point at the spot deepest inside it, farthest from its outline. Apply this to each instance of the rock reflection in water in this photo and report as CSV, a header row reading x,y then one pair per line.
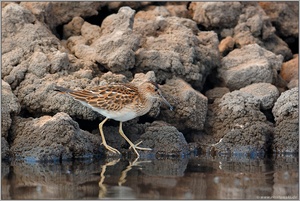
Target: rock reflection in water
x,y
159,172
195,178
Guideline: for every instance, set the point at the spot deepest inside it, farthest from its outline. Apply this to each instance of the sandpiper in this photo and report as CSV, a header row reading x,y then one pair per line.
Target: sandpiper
x,y
121,102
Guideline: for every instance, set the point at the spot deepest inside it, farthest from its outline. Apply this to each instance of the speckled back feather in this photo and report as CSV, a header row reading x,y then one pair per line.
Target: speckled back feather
x,y
109,97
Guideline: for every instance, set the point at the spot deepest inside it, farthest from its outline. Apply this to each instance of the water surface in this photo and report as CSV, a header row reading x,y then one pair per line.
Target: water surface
x,y
198,177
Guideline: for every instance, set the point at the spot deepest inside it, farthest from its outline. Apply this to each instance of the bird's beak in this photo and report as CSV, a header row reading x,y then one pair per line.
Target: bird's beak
x,y
165,101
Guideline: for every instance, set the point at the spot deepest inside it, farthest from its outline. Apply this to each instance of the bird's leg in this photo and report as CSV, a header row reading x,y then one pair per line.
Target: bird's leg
x,y
109,148
130,143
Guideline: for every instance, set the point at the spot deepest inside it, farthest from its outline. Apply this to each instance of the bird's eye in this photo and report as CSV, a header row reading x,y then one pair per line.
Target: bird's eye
x,y
155,88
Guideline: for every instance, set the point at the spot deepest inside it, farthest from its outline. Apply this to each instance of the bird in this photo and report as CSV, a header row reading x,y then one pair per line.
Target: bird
x,y
120,102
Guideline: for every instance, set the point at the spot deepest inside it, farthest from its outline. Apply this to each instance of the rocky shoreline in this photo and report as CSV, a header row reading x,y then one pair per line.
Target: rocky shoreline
x,y
229,68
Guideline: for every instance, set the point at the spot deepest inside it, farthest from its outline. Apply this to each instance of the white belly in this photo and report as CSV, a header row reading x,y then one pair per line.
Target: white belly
x,y
124,114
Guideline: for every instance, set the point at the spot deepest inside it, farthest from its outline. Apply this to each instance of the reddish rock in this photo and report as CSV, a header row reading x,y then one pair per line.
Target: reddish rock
x,y
290,71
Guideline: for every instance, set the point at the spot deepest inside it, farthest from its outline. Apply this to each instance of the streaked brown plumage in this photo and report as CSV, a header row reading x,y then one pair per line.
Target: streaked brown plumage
x,y
121,102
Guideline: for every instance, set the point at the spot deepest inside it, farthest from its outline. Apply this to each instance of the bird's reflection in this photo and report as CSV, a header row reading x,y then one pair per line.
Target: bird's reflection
x,y
118,191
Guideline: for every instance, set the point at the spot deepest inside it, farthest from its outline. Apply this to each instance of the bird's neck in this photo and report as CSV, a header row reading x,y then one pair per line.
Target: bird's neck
x,y
145,103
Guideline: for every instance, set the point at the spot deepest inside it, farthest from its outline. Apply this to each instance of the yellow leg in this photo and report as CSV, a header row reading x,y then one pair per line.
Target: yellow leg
x,y
103,189
130,143
109,148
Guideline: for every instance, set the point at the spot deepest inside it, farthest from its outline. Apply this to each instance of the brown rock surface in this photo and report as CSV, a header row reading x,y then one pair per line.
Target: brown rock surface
x,y
52,139
290,72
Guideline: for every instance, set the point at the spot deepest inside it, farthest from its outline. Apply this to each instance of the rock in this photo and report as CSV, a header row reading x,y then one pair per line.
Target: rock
x,y
32,74
266,93
17,52
90,32
73,28
175,46
139,78
38,96
284,16
39,64
250,64
290,72
216,14
115,48
215,93
286,114
150,14
237,124
4,149
190,105
10,107
278,47
245,22
115,5
254,26
52,139
255,139
178,10
112,78
57,13
165,140
226,45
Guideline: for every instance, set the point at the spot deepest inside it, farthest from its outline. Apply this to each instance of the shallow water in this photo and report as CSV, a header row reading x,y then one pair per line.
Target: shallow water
x,y
198,177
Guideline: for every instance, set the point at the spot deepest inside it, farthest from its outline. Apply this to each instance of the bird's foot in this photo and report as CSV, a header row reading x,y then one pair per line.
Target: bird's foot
x,y
140,148
111,149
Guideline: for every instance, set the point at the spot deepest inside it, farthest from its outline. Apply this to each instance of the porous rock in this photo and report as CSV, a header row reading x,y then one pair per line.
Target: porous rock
x,y
164,140
226,45
90,32
115,48
73,28
215,93
38,96
112,5
51,138
286,114
250,64
266,93
290,72
10,107
4,149
179,10
254,26
236,123
284,16
190,106
245,22
18,42
57,13
174,46
252,139
216,14
32,74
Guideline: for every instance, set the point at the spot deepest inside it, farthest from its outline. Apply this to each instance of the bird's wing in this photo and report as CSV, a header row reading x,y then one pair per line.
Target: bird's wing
x,y
109,97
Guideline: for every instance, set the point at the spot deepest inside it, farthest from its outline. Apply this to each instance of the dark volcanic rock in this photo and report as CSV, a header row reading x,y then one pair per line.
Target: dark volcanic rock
x,y
237,124
52,138
165,140
286,113
190,106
